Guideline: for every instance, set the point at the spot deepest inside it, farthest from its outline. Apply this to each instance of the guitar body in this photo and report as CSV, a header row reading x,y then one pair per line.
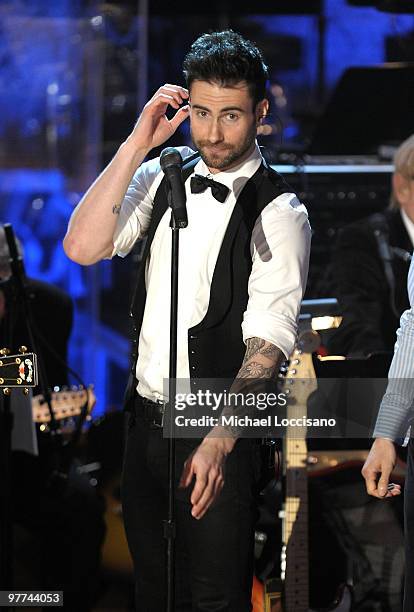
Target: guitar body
x,y
272,602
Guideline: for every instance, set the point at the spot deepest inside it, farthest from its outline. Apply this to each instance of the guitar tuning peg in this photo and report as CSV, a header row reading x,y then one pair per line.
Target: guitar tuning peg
x,y
23,349
4,351
6,391
25,391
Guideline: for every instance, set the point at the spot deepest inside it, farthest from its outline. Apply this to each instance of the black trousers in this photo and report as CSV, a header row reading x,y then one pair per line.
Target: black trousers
x,y
409,530
214,555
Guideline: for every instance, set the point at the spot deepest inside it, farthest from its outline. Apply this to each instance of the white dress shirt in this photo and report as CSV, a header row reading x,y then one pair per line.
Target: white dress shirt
x,y
280,247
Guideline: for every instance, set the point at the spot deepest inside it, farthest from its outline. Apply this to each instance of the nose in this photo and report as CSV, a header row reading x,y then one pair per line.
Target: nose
x,y
215,134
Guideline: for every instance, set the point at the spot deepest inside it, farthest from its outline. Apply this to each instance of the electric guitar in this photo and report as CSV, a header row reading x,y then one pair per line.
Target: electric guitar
x,y
65,404
291,592
302,383
17,370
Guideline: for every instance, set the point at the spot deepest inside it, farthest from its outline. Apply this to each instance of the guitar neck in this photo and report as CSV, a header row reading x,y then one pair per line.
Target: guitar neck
x,y
295,521
295,526
65,404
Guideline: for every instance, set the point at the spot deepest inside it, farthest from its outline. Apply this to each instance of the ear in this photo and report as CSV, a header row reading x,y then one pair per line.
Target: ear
x,y
401,188
262,108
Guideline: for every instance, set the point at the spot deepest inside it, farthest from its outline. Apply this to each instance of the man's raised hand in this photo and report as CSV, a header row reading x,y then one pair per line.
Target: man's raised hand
x,y
153,127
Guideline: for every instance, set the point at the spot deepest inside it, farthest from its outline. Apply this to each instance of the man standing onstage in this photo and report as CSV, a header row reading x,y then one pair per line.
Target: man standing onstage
x,y
394,419
242,274
372,290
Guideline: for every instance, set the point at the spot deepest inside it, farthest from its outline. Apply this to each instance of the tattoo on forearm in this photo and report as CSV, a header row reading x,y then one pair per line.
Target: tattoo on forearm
x,y
116,209
257,346
253,369
254,345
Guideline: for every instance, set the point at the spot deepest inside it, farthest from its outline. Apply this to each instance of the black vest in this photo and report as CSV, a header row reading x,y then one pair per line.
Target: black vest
x,y
215,345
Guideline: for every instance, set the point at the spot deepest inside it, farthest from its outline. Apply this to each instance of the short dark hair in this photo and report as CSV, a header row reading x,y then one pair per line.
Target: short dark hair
x,y
227,58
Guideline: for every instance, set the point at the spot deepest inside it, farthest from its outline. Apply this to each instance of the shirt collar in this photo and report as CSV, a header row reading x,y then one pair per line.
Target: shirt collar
x,y
235,178
409,225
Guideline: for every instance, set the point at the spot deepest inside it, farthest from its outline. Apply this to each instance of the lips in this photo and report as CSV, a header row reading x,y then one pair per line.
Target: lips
x,y
217,148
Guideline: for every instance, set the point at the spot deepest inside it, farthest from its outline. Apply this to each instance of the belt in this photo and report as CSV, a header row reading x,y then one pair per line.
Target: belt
x,y
151,412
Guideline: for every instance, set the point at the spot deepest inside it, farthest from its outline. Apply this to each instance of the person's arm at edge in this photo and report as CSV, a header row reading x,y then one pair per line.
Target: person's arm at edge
x,y
394,414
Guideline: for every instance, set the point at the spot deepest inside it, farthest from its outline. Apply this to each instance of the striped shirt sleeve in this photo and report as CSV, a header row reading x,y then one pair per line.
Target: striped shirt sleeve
x,y
397,407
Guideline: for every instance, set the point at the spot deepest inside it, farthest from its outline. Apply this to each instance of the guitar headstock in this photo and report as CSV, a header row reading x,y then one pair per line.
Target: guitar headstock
x,y
66,403
300,377
17,370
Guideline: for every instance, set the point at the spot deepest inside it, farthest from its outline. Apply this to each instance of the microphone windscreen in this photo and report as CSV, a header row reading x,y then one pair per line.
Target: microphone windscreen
x,y
170,157
379,223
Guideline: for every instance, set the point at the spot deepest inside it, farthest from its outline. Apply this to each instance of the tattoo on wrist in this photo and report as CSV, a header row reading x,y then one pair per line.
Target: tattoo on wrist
x,y
116,209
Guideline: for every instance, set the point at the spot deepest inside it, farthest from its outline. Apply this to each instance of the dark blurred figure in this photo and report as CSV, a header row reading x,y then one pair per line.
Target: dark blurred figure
x,y
59,526
370,267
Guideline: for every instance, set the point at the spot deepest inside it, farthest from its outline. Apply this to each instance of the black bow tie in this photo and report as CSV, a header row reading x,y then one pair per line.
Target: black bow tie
x,y
199,183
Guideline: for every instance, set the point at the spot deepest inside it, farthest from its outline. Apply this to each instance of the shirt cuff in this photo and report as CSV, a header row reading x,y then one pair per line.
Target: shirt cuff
x,y
274,328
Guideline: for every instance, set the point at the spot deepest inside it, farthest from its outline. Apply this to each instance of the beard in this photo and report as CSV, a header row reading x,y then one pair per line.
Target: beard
x,y
223,155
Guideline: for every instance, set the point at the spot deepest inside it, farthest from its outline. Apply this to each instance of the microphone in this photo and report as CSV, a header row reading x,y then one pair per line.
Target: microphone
x,y
171,162
402,254
381,233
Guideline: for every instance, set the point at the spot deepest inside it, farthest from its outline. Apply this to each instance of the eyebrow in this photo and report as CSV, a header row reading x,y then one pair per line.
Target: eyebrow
x,y
223,110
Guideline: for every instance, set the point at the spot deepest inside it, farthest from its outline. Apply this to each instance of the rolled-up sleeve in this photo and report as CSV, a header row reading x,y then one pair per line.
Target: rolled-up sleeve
x,y
280,248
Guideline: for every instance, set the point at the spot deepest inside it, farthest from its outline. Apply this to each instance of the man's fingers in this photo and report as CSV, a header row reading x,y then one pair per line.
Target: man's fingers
x,y
200,484
383,482
187,475
182,91
164,99
371,483
394,489
180,116
210,493
178,94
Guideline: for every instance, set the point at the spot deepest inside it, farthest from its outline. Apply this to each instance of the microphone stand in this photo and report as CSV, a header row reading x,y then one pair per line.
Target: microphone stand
x,y
6,428
176,224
